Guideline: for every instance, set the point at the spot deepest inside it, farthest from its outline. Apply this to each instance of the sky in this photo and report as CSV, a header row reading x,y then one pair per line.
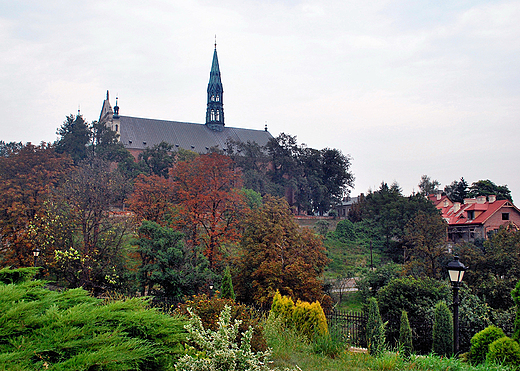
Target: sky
x,y
405,88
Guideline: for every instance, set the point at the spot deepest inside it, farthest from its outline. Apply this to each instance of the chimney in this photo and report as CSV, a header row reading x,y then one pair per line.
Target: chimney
x,y
456,207
481,199
492,198
439,196
469,201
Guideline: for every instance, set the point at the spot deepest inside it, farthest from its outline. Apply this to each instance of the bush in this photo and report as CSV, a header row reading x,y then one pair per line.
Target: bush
x,y
226,287
209,309
515,294
443,330
219,350
70,330
345,231
405,335
504,351
480,343
309,319
375,330
283,307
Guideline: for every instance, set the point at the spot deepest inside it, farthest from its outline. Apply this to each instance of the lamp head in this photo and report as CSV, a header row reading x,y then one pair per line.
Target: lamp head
x,y
456,270
36,252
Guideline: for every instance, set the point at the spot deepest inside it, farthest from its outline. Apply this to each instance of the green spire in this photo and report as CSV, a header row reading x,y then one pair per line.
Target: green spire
x,y
215,106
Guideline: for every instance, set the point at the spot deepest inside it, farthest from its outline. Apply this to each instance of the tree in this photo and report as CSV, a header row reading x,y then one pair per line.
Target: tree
x,y
158,159
487,187
277,255
210,204
375,330
167,267
226,287
457,191
405,335
75,136
27,176
442,330
428,186
425,240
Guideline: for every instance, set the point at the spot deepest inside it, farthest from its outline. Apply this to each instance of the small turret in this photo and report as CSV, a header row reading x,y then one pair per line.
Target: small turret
x,y
215,105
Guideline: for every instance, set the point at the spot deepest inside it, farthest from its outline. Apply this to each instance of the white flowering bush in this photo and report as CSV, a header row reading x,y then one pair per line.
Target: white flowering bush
x,y
218,350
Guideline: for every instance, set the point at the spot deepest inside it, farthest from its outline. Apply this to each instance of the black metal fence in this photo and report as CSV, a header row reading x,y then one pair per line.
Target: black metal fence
x,y
350,325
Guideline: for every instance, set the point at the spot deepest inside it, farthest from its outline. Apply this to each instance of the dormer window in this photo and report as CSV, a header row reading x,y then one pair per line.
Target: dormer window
x,y
471,214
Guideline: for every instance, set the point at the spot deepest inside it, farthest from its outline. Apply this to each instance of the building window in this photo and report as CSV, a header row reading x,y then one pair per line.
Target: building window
x,y
218,98
471,214
117,128
212,116
505,216
218,115
212,98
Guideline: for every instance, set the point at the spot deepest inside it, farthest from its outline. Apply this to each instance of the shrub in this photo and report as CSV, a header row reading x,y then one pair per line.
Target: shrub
x,y
345,231
405,335
209,309
480,343
442,330
309,319
515,294
219,350
283,307
226,288
375,330
505,351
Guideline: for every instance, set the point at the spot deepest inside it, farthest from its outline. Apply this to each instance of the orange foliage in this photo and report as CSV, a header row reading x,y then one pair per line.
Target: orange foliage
x,y
210,204
26,178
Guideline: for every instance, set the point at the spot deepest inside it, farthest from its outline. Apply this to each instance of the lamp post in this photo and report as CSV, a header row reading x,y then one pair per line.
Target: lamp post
x,y
456,271
36,253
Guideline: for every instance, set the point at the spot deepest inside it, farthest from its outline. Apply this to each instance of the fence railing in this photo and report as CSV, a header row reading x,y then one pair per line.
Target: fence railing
x,y
351,326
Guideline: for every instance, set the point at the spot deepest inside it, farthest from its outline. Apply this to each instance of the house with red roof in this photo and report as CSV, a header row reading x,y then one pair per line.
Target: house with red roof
x,y
476,218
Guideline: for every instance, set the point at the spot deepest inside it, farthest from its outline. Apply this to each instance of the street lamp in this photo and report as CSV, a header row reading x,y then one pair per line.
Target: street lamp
x,y
456,271
36,253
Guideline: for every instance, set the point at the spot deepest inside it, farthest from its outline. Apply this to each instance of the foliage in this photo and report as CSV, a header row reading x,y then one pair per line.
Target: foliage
x,y
253,198
158,159
375,330
219,350
487,187
210,204
167,267
405,335
425,242
480,343
75,136
374,279
277,255
504,351
428,186
43,329
416,296
310,319
442,330
282,307
515,294
208,310
226,287
27,176
345,231
457,191
8,275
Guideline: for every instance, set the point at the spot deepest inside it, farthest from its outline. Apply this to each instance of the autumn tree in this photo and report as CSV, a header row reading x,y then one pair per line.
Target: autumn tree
x,y
27,175
425,243
277,255
209,202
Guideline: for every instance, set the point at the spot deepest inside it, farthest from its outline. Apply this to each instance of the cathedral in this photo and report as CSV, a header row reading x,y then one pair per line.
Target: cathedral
x,y
138,133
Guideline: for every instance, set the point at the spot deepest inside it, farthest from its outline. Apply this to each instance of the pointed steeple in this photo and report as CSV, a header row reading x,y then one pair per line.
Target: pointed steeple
x,y
215,106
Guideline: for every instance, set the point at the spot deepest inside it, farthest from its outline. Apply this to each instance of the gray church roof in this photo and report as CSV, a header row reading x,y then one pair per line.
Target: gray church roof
x,y
139,133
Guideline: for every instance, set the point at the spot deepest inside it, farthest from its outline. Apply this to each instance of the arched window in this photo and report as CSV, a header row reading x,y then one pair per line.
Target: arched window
x,y
218,98
218,116
212,98
117,127
212,116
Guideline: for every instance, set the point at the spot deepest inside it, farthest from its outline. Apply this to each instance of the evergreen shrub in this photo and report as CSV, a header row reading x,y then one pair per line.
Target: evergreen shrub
x,y
443,330
480,343
405,335
515,294
283,307
226,287
309,319
375,329
504,351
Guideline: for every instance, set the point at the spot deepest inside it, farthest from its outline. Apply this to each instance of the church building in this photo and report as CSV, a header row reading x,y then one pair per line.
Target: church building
x,y
137,133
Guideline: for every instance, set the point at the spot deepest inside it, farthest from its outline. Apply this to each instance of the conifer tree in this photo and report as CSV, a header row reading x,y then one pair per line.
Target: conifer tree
x,y
375,330
405,335
226,287
443,330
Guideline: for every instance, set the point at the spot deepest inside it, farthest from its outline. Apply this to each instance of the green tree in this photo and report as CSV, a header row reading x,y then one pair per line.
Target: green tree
x,y
167,267
405,335
443,330
487,187
158,160
428,186
375,330
425,243
75,135
457,191
515,294
226,287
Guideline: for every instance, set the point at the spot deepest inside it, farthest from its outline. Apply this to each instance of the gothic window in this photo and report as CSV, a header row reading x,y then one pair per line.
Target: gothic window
x,y
218,98
218,115
117,128
213,98
212,117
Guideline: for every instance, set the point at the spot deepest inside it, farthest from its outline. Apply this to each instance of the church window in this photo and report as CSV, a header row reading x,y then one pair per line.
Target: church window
x,y
117,127
212,98
212,116
218,115
218,98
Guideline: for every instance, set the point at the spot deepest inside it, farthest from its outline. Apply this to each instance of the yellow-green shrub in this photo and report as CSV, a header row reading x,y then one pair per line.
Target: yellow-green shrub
x,y
283,307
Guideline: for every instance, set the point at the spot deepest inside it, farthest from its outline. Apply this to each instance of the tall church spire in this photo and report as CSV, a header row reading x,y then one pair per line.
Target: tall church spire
x,y
215,106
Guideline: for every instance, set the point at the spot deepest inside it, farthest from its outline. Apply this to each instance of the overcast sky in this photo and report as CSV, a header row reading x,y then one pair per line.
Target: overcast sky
x,y
405,88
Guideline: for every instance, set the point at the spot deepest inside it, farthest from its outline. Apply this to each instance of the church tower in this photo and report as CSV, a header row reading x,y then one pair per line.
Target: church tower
x,y
215,109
